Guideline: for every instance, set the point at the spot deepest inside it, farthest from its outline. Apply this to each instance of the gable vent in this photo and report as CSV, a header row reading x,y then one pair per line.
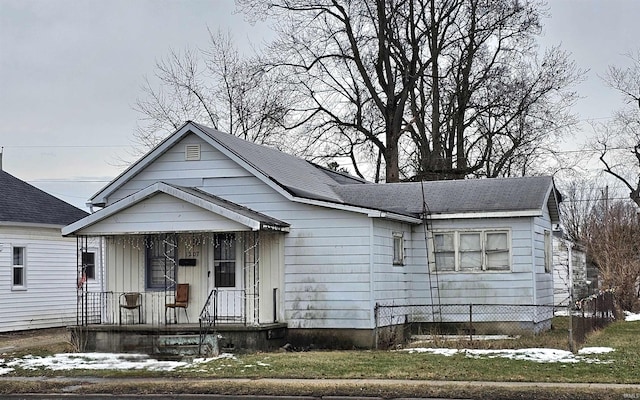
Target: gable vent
x,y
192,152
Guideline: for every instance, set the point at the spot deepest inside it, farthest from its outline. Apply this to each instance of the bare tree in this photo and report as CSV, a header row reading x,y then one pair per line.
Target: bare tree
x,y
619,141
612,242
216,87
581,198
431,88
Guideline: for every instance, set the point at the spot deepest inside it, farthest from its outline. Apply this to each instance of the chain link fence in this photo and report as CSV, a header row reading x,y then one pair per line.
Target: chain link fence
x,y
395,324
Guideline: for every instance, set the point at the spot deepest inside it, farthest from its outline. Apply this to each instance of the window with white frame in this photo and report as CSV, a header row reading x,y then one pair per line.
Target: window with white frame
x,y
19,271
160,261
469,251
398,248
89,264
548,252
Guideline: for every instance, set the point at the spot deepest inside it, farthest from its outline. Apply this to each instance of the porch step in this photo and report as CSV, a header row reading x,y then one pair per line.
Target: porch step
x,y
184,346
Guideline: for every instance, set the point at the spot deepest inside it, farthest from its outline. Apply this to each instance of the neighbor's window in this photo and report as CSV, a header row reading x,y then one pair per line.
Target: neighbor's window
x,y
483,250
19,280
89,264
224,260
398,249
160,268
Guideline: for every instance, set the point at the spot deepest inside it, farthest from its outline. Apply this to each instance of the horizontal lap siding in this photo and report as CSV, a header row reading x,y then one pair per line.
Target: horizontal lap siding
x,y
164,213
327,267
326,252
514,287
172,168
544,280
50,298
393,283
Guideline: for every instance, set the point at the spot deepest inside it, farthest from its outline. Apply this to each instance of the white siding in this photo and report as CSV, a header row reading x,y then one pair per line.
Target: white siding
x,y
392,284
164,213
50,296
543,280
172,168
326,253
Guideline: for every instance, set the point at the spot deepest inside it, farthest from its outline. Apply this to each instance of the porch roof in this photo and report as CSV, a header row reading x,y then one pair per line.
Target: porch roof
x,y
236,213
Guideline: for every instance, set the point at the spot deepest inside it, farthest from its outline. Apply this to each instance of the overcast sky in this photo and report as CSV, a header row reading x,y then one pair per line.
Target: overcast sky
x,y
70,72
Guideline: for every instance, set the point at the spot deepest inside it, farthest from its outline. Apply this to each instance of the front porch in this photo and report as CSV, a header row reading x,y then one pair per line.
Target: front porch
x,y
141,322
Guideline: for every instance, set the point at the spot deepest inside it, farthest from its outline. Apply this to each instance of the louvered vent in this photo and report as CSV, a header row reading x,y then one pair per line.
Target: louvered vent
x,y
192,152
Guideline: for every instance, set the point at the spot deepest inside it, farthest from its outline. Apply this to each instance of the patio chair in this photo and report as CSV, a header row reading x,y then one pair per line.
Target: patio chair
x,y
131,301
181,300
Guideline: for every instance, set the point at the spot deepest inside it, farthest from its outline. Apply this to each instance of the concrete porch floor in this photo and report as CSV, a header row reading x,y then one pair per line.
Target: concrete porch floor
x,y
149,339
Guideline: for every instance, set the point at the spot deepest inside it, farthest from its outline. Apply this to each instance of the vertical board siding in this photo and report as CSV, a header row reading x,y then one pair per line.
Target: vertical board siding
x,y
51,279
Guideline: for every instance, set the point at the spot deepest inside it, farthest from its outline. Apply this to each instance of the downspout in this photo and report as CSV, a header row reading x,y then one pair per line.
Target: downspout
x,y
372,302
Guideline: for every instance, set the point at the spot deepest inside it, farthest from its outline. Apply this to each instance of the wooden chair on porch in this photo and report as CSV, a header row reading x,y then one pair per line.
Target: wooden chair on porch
x,y
181,300
131,301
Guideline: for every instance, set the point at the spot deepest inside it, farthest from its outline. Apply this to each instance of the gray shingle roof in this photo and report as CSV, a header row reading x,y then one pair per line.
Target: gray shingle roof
x,y
307,180
298,176
459,196
23,203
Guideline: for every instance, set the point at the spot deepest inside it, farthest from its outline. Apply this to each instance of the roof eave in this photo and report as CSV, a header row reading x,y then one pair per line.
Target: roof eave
x,y
486,214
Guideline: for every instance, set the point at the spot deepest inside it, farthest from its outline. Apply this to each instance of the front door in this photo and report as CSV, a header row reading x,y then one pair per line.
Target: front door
x,y
226,278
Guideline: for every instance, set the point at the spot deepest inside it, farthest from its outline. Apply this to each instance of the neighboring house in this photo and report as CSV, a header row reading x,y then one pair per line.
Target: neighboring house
x,y
570,269
263,237
38,267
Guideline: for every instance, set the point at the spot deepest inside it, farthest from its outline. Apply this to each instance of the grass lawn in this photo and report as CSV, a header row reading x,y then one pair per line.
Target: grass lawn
x,y
620,366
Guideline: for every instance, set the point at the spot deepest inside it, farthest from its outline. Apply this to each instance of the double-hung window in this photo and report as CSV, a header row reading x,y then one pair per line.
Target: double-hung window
x,y
470,251
19,268
89,264
224,255
398,248
161,261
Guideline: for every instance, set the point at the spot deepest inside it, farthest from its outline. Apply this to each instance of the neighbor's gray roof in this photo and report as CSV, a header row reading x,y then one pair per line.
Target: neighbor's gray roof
x,y
23,203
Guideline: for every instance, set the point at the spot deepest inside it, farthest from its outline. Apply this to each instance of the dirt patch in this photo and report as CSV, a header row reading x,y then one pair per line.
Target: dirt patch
x,y
39,339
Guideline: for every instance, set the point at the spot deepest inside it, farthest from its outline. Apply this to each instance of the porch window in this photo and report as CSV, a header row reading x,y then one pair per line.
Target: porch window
x,y
19,269
472,251
224,255
89,264
161,262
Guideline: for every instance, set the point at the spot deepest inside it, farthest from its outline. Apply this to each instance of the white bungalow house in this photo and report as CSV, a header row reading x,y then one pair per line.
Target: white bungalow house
x,y
38,267
269,241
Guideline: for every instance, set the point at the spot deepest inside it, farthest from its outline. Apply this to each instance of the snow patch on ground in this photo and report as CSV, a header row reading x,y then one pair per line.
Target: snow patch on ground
x,y
540,355
100,361
629,316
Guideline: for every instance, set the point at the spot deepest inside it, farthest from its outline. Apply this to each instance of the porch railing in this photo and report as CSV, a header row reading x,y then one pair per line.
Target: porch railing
x,y
110,308
221,307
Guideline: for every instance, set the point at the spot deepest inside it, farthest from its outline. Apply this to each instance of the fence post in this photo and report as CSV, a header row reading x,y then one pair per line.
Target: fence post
x,y
375,329
471,322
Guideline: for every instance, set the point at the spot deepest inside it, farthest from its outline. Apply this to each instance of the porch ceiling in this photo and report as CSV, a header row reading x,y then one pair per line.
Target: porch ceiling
x,y
167,208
